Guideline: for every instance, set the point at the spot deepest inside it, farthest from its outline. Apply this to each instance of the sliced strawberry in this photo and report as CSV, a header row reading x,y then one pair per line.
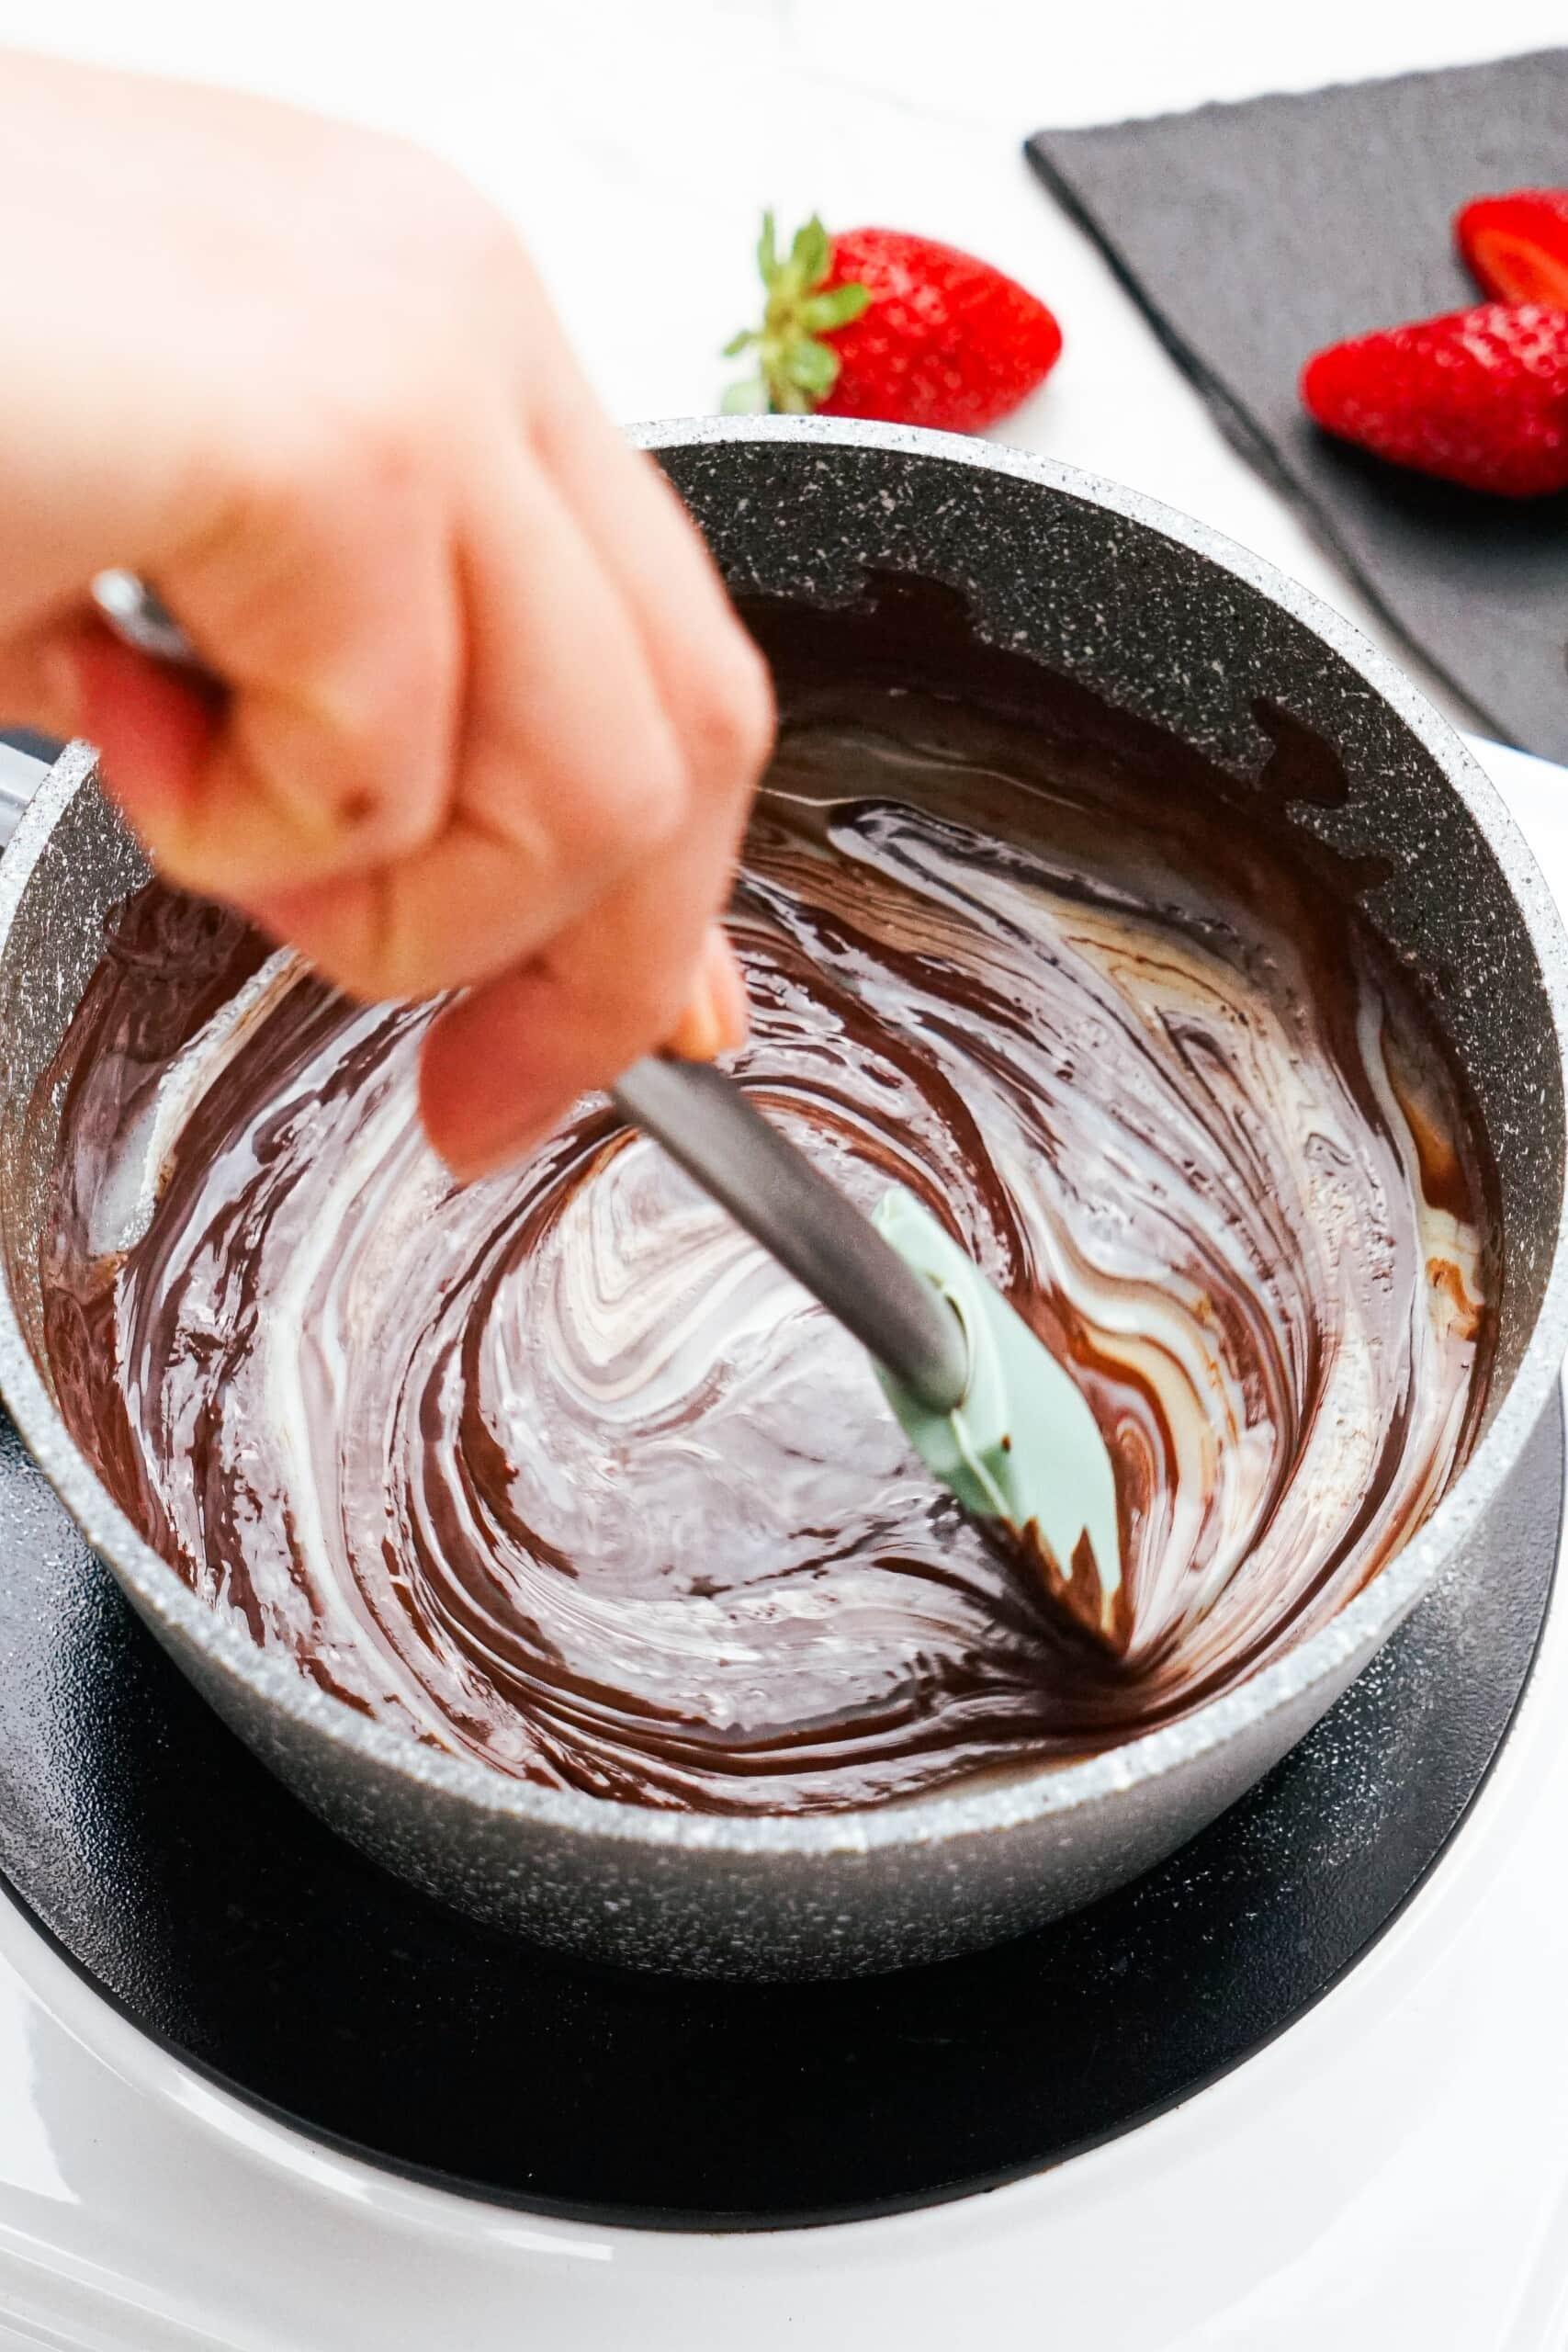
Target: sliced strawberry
x,y
1479,397
1517,245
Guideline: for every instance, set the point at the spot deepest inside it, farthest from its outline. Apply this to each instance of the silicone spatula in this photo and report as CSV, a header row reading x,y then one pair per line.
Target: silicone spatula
x,y
988,1407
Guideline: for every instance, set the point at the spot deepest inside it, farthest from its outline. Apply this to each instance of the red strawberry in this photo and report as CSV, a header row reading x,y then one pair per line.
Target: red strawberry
x,y
878,323
1517,245
1479,396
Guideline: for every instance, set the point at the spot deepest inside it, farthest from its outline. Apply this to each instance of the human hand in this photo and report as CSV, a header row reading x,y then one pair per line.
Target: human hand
x,y
490,722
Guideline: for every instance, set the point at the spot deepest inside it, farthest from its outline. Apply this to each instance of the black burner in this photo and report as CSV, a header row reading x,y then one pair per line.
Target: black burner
x,y
218,1914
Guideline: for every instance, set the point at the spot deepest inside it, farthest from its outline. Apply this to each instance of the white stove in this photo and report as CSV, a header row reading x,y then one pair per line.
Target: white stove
x,y
1393,2169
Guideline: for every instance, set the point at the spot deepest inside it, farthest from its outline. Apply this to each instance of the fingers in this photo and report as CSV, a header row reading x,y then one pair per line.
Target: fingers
x,y
717,1016
567,773
510,744
713,680
153,727
504,1065
39,684
326,601
77,678
489,719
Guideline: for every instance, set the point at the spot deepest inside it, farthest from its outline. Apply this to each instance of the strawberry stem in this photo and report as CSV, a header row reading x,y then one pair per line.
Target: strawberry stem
x,y
796,368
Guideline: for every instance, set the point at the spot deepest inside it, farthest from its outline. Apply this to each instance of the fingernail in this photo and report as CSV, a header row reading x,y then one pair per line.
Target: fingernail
x,y
730,1001
699,1033
717,1018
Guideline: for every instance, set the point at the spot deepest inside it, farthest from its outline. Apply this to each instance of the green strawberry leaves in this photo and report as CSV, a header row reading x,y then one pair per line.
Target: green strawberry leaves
x,y
796,369
811,368
811,254
821,312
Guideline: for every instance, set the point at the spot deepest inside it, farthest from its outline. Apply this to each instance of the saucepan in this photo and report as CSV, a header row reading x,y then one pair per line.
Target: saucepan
x,y
1162,618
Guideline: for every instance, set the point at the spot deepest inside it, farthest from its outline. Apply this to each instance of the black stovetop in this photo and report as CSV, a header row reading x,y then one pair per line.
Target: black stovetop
x,y
210,1907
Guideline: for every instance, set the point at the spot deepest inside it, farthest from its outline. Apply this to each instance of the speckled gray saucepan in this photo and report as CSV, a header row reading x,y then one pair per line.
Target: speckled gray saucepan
x,y
1159,615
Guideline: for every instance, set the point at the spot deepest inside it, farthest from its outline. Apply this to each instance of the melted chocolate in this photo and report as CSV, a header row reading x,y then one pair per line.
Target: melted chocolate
x,y
560,1471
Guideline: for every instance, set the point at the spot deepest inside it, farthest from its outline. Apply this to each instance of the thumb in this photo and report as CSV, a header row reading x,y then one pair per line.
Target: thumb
x,y
40,689
152,726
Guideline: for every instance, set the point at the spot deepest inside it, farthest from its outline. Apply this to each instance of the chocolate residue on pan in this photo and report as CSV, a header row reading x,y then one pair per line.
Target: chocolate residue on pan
x,y
560,1471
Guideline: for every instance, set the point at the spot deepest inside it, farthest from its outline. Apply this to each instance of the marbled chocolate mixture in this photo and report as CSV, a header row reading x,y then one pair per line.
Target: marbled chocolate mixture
x,y
559,1470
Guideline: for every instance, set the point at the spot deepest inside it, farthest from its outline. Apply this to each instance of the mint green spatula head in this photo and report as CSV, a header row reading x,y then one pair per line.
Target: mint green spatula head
x,y
1022,1447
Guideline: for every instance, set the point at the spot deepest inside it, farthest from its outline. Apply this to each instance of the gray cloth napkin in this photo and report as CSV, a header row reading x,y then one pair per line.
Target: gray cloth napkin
x,y
1254,234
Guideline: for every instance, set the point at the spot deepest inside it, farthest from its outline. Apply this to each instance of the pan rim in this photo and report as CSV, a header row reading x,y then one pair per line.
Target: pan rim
x,y
1046,1791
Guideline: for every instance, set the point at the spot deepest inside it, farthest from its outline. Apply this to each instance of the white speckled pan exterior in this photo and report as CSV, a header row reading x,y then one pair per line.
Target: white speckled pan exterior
x,y
1160,616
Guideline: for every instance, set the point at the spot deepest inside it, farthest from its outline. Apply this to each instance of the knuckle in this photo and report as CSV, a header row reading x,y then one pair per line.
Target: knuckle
x,y
347,444
289,483
442,226
730,719
273,484
366,445
407,821
384,447
371,816
616,817
358,944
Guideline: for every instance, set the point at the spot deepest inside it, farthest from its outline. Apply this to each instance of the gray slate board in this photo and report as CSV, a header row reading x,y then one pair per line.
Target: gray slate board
x,y
1254,234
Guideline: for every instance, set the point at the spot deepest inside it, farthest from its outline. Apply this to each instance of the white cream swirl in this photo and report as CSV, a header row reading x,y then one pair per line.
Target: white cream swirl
x,y
560,1471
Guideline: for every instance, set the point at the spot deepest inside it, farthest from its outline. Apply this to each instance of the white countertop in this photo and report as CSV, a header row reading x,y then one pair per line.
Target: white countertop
x,y
1394,2169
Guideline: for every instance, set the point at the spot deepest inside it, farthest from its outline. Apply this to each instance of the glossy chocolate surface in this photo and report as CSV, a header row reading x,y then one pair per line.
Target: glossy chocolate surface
x,y
559,1470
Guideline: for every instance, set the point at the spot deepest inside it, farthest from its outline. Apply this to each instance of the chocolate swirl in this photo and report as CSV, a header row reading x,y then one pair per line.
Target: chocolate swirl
x,y
559,1470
